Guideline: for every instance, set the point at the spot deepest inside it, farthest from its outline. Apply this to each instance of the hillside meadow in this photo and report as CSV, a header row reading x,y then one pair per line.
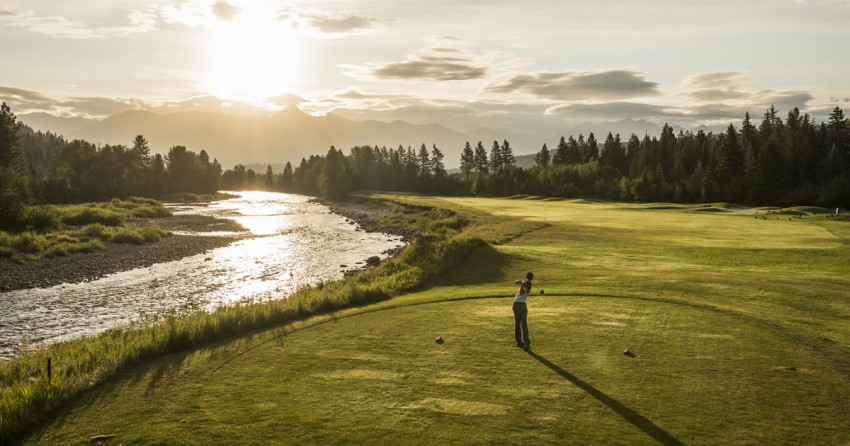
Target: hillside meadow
x,y
736,328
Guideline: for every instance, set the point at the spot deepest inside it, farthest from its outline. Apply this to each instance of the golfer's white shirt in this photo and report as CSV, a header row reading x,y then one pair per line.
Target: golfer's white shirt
x,y
521,296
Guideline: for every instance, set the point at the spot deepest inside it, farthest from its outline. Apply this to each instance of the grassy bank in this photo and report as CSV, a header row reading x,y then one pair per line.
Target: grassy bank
x,y
61,230
736,328
27,394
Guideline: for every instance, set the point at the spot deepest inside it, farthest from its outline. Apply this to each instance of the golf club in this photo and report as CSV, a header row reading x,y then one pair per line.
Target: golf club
x,y
541,289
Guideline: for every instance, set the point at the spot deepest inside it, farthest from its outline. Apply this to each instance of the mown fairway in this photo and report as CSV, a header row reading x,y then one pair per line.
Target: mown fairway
x,y
739,329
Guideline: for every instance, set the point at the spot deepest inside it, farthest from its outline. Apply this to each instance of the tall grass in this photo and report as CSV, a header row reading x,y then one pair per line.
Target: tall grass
x,y
27,394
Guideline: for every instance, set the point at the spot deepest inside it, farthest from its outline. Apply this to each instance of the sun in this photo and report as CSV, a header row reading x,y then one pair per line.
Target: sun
x,y
252,57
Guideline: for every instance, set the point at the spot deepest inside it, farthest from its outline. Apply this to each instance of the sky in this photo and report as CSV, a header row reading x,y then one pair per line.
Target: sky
x,y
463,64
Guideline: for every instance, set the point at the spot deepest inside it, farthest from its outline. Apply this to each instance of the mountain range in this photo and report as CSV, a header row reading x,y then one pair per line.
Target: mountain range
x,y
290,134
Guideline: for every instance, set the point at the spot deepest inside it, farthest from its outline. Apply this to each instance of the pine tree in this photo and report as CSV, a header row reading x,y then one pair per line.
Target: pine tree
x,y
495,157
591,151
838,129
560,156
437,166
286,180
482,164
541,158
333,181
573,151
467,161
508,158
424,162
613,154
140,147
8,136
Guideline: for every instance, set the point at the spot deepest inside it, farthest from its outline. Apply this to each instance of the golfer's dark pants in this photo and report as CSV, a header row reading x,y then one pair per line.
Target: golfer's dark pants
x,y
520,322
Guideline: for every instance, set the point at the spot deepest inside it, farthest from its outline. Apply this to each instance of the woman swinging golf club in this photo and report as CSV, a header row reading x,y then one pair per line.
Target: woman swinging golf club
x,y
521,311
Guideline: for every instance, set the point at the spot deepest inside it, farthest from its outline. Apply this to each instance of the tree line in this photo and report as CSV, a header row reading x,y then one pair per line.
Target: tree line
x,y
794,161
37,167
775,162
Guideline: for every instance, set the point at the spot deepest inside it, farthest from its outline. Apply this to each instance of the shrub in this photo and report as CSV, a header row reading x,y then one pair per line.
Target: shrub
x,y
127,235
87,214
42,218
152,233
95,230
30,242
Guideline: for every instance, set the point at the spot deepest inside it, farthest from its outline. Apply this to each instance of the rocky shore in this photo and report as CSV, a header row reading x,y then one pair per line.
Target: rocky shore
x,y
81,267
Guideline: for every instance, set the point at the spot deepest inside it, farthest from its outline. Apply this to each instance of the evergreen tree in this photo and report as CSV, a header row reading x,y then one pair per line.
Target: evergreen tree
x,y
838,129
286,179
424,162
613,154
437,166
333,181
269,177
496,160
573,150
560,156
140,147
8,136
507,152
482,164
541,158
591,149
467,161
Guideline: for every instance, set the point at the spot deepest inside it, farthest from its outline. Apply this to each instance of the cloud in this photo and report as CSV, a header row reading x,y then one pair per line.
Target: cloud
x,y
431,68
338,24
62,27
613,110
25,101
433,64
224,11
286,100
579,85
100,106
716,79
323,24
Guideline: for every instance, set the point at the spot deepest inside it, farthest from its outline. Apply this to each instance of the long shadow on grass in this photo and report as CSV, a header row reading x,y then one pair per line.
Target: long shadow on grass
x,y
484,265
636,419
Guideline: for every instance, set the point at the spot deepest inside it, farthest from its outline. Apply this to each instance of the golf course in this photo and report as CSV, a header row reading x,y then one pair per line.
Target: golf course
x,y
660,324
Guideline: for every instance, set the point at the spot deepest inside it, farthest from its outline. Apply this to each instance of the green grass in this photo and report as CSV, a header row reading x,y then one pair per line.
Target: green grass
x,y
739,329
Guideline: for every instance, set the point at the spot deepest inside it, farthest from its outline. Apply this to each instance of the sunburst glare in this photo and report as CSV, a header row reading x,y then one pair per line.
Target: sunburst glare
x,y
252,57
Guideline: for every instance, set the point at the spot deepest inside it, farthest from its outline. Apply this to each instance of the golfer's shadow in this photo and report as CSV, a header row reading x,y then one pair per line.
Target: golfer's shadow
x,y
636,419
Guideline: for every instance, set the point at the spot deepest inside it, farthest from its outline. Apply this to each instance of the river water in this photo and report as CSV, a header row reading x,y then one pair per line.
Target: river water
x,y
292,243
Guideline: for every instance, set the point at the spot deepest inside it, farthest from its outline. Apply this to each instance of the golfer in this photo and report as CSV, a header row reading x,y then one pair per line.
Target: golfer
x,y
521,311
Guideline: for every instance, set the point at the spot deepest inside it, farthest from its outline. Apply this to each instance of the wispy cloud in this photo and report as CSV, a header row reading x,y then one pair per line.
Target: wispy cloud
x,y
62,27
26,101
715,93
19,99
613,110
436,64
578,85
329,24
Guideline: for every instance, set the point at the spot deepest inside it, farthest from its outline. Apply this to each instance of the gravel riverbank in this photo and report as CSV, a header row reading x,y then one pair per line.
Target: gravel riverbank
x,y
81,267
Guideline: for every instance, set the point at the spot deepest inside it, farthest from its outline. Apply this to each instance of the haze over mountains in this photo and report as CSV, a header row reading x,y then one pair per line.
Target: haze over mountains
x,y
290,134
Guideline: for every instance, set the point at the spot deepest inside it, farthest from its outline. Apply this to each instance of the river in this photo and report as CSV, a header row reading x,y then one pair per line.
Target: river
x,y
292,243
